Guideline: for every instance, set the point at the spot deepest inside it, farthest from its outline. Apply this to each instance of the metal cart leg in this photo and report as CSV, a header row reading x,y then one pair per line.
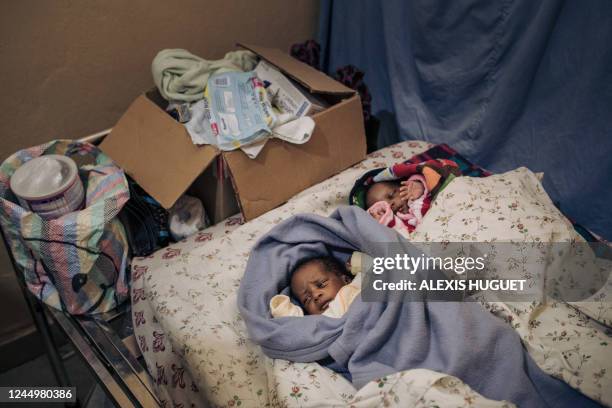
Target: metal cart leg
x,y
42,325
40,321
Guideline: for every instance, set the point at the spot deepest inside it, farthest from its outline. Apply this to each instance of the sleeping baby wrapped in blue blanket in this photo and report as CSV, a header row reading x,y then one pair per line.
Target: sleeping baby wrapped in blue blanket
x,y
373,339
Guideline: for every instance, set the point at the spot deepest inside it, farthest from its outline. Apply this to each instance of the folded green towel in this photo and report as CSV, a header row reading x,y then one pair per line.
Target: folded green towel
x,y
181,76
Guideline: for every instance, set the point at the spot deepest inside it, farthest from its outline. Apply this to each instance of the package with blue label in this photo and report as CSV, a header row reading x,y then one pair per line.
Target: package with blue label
x,y
234,112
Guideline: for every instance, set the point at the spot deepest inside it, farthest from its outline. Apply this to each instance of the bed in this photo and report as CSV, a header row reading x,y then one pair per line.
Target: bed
x,y
196,347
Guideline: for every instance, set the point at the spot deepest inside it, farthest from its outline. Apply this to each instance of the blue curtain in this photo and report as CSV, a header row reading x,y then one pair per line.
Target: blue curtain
x,y
506,83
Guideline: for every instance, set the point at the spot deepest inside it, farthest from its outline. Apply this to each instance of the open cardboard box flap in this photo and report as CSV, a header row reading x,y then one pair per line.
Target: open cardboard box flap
x,y
158,153
312,79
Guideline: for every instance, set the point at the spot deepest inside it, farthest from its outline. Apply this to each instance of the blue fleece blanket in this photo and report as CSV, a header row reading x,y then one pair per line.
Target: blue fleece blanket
x,y
375,339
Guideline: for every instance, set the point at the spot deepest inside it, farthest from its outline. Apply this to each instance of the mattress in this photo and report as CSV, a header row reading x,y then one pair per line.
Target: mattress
x,y
197,349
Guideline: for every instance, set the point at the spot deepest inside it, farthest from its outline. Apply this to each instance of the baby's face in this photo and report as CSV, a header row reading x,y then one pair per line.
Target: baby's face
x,y
315,287
387,191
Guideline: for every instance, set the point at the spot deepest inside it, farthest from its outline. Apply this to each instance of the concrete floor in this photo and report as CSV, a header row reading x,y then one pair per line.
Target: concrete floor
x,y
38,372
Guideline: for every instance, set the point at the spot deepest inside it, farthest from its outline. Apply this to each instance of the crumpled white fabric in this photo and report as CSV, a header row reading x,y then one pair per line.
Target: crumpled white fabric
x,y
297,131
186,217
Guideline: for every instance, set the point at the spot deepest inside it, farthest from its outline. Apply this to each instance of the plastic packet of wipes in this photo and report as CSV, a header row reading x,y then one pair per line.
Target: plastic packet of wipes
x,y
235,112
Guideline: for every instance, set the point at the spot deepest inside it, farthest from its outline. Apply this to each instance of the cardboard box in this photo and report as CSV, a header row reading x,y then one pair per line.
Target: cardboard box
x,y
158,153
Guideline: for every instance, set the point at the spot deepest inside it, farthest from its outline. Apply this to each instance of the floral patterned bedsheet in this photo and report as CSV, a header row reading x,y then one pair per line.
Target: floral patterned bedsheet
x,y
197,349
568,341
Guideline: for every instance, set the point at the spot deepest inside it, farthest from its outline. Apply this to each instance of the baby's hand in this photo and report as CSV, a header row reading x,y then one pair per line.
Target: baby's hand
x,y
404,192
410,190
379,213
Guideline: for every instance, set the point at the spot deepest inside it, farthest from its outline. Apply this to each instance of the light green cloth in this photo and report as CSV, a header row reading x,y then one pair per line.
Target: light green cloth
x,y
181,76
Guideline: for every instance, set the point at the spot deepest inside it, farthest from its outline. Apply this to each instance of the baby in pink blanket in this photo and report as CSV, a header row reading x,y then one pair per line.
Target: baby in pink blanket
x,y
399,205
